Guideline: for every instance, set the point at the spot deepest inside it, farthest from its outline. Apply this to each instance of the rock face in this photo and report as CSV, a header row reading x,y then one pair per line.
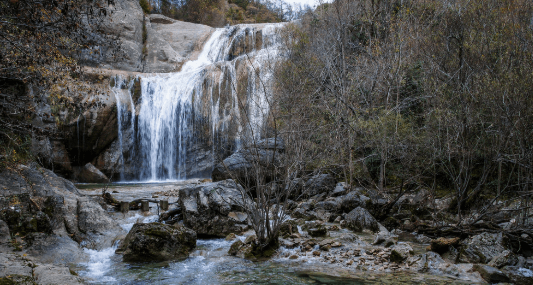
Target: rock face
x,y
91,174
214,209
157,242
359,219
45,203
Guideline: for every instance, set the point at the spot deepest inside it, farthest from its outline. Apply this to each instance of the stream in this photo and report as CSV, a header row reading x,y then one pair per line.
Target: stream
x,y
210,263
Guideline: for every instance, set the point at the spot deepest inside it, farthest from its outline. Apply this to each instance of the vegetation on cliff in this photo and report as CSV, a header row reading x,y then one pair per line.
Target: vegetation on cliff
x,y
218,13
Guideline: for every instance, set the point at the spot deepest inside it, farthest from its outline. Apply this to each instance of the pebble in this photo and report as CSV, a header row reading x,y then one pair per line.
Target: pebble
x,y
316,253
294,256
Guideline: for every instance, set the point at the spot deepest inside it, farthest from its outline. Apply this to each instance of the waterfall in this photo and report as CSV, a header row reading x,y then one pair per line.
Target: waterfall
x,y
185,119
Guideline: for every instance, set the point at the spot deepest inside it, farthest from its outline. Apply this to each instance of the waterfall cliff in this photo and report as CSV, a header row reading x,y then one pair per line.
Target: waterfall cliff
x,y
183,122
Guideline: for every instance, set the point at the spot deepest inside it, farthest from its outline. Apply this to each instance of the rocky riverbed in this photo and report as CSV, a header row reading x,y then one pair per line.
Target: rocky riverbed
x,y
75,240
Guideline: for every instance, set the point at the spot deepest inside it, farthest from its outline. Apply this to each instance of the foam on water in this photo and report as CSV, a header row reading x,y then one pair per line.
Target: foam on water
x,y
99,264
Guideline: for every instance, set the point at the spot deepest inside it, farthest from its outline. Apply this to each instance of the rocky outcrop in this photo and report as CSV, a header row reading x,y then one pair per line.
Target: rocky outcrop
x,y
360,219
157,242
214,209
91,174
45,203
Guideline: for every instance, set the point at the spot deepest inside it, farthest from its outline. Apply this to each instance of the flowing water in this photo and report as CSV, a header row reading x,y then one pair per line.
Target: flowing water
x,y
184,120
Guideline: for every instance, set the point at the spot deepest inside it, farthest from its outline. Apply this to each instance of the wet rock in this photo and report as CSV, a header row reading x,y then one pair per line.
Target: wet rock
x,y
316,253
234,248
483,248
400,252
157,242
359,219
294,256
504,259
318,184
518,275
5,236
317,231
91,174
206,208
423,239
249,249
490,274
442,245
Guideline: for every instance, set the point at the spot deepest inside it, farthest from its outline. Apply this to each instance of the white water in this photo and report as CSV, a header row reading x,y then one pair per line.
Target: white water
x,y
173,110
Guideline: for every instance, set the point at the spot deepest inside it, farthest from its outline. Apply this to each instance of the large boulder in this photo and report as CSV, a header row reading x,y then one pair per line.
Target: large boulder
x,y
157,242
37,200
214,209
243,163
359,219
491,274
91,174
483,248
351,201
318,184
518,275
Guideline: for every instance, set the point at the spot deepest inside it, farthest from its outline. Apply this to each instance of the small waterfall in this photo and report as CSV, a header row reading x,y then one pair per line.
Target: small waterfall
x,y
185,119
125,119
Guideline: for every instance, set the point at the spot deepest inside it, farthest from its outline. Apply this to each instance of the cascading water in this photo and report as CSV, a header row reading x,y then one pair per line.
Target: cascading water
x,y
213,102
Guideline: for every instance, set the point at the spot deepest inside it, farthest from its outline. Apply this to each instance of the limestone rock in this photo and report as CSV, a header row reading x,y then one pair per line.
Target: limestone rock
x,y
91,174
157,242
359,219
206,208
506,258
483,248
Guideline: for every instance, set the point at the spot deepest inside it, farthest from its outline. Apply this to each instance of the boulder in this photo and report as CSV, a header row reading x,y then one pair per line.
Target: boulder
x,y
359,219
400,252
506,258
351,201
241,164
300,213
318,184
288,228
91,174
490,274
157,242
518,275
317,231
329,206
442,245
214,209
482,248
339,190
